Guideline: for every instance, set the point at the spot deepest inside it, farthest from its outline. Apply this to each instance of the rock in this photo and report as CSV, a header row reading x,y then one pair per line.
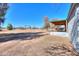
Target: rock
x,y
68,53
60,50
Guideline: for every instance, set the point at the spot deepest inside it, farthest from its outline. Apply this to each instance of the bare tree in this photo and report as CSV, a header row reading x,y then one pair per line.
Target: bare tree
x,y
46,23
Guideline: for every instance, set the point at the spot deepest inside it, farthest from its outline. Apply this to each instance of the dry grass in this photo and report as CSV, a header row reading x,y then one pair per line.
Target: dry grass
x,y
21,31
35,46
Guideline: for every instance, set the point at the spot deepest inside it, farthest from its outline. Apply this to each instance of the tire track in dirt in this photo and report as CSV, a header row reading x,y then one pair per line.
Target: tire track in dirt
x,y
15,47
23,48
7,45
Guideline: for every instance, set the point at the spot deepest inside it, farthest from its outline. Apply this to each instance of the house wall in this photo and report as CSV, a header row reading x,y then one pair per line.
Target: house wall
x,y
72,27
71,18
72,10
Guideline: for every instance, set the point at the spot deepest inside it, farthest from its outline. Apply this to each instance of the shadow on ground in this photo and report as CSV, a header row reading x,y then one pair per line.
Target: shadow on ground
x,y
20,36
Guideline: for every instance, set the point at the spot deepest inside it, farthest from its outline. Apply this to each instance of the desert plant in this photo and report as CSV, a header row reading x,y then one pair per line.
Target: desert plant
x,y
10,27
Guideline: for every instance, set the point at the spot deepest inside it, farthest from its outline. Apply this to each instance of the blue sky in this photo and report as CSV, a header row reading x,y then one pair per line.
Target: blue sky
x,y
21,14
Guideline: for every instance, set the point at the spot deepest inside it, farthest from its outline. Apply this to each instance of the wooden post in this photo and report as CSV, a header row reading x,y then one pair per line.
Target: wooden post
x,y
65,27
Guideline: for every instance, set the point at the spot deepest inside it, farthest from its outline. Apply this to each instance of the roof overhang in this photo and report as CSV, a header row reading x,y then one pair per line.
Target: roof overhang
x,y
72,11
59,22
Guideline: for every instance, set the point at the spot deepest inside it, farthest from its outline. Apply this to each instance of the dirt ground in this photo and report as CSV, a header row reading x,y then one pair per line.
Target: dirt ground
x,y
34,43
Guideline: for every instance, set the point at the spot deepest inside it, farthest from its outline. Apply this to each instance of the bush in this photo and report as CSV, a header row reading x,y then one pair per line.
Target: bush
x,y
10,27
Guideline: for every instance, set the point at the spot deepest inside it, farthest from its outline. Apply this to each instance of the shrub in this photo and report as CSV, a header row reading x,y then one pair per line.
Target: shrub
x,y
10,27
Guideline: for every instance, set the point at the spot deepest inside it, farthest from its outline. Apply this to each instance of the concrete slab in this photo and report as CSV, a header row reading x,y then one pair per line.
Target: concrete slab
x,y
63,34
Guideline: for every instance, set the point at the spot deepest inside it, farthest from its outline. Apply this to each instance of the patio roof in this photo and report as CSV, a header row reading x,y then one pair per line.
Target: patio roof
x,y
57,20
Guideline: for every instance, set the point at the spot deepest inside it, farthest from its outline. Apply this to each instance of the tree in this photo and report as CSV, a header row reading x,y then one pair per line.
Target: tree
x,y
46,23
10,27
1,22
3,8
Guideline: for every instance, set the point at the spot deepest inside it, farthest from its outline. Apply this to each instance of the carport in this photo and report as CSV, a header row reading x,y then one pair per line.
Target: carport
x,y
60,22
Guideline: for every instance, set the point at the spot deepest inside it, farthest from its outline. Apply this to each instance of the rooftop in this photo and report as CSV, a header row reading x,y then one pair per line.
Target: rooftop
x,y
57,20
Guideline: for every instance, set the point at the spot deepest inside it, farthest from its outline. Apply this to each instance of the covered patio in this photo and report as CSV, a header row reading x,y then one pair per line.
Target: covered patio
x,y
60,25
